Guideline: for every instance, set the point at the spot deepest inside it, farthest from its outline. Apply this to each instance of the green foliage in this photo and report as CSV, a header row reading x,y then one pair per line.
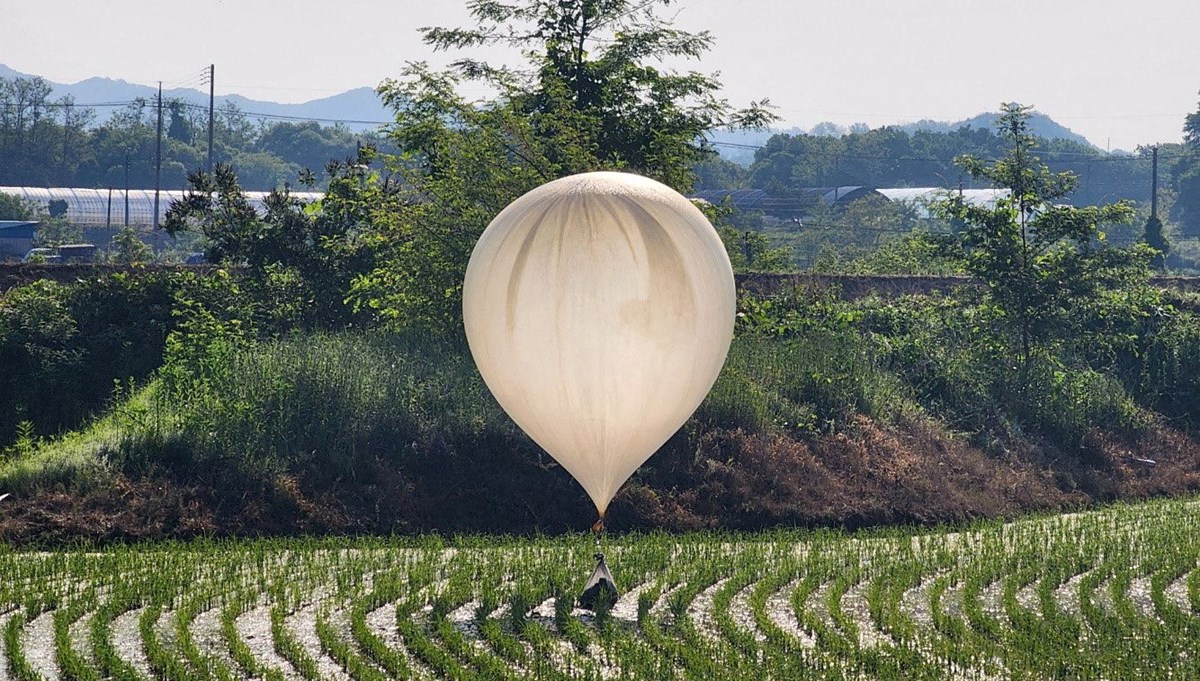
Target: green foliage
x,y
946,357
45,142
1153,237
800,365
1187,184
1036,259
315,250
128,248
917,253
751,251
325,405
1164,370
1064,403
55,231
590,96
832,239
16,208
892,157
591,87
63,346
1191,129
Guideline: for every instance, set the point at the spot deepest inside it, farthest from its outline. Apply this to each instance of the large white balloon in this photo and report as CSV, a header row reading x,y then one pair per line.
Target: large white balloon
x,y
599,309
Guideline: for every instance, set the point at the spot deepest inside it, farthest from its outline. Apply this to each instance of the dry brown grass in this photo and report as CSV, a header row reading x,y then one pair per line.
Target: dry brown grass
x,y
867,475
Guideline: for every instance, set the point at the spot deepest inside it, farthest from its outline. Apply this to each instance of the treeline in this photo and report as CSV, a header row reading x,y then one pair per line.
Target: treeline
x,y
46,142
892,157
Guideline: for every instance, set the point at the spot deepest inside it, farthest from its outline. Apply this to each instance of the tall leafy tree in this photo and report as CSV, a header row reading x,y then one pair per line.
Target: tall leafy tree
x,y
1191,129
1187,176
592,94
318,247
1039,261
594,77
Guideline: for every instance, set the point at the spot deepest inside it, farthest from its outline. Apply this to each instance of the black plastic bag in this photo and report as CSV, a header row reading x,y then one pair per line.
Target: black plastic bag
x,y
599,586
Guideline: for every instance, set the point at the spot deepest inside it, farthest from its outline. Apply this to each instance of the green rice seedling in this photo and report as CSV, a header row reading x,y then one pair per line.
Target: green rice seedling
x,y
238,650
341,651
14,650
109,664
289,648
72,664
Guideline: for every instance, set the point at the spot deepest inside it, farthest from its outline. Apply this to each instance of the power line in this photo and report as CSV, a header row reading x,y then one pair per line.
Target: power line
x,y
57,105
284,117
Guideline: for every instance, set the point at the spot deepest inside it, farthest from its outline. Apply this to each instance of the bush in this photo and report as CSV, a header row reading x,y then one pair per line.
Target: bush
x,y
801,361
63,346
314,404
1166,376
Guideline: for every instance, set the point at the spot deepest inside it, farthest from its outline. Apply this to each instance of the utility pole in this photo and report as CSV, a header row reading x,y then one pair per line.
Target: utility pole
x,y
108,214
211,73
1154,185
158,156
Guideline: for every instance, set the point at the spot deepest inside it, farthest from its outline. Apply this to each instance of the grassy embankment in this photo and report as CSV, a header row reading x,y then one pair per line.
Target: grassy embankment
x,y
828,413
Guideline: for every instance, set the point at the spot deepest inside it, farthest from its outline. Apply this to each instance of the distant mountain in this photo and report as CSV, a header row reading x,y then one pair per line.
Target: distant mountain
x,y
360,106
1039,124
739,146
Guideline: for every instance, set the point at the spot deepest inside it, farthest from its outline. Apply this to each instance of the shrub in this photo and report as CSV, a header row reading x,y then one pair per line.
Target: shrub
x,y
62,346
320,403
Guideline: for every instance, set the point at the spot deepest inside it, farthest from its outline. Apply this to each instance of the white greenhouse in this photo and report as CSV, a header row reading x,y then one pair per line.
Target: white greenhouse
x,y
923,198
107,207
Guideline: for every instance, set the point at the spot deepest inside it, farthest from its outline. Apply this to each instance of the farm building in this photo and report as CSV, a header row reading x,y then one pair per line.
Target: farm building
x,y
16,238
109,207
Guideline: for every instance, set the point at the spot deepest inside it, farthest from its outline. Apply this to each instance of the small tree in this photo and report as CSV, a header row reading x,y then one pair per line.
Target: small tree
x,y
1154,238
319,245
55,231
1039,261
127,248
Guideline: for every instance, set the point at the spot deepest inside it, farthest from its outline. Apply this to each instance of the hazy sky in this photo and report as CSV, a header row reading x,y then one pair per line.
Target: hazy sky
x,y
1119,72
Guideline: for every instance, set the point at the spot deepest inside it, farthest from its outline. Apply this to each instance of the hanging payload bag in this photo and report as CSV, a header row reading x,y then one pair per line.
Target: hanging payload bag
x,y
599,586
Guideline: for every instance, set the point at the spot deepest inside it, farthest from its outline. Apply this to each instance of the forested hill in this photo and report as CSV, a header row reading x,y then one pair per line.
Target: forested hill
x,y
785,164
1039,124
739,146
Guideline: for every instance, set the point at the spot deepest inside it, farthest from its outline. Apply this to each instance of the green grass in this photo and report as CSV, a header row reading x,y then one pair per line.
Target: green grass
x,y
326,403
985,601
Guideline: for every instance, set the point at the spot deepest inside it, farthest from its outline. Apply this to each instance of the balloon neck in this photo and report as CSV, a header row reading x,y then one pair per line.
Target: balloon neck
x,y
598,528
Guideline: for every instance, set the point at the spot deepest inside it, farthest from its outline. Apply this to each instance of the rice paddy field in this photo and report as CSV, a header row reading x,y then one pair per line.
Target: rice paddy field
x,y
1106,594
